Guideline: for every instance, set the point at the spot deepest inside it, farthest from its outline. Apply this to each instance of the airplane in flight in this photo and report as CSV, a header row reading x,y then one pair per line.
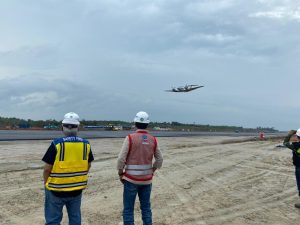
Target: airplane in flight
x,y
185,88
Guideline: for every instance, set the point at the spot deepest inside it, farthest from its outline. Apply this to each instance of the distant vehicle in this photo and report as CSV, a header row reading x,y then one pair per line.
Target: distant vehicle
x,y
94,127
50,126
117,127
185,88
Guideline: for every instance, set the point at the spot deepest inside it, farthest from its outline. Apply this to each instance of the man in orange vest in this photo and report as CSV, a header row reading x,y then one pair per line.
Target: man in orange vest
x,y
67,163
136,169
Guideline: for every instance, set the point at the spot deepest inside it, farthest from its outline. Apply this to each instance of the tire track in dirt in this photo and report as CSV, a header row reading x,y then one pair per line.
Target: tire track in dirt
x,y
10,218
184,201
32,187
241,209
226,165
238,210
266,170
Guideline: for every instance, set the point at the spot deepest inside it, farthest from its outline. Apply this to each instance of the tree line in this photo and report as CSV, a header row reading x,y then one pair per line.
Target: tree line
x,y
16,123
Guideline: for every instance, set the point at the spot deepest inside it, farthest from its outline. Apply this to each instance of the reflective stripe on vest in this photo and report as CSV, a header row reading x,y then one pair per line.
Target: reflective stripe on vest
x,y
62,151
84,151
60,186
70,168
68,174
139,169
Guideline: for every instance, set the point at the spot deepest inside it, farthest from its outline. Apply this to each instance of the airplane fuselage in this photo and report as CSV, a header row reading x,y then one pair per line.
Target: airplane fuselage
x,y
185,88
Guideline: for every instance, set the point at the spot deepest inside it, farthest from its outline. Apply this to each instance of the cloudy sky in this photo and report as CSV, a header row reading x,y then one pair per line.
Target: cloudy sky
x,y
108,59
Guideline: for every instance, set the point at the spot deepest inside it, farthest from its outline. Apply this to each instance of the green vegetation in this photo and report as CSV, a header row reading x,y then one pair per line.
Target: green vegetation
x,y
15,123
12,123
210,128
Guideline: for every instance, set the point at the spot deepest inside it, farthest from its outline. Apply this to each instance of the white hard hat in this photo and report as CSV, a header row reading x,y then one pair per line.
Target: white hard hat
x,y
71,118
298,132
141,117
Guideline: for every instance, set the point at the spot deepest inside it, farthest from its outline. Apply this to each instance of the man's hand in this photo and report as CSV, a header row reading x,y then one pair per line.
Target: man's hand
x,y
120,172
47,171
120,178
154,169
292,132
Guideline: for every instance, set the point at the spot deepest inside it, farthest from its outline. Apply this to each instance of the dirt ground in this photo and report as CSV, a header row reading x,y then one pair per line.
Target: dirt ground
x,y
204,180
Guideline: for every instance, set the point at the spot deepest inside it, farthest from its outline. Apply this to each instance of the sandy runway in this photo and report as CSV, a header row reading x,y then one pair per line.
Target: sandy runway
x,y
204,180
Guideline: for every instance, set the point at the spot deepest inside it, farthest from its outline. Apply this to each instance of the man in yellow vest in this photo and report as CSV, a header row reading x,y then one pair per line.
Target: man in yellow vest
x,y
136,169
67,163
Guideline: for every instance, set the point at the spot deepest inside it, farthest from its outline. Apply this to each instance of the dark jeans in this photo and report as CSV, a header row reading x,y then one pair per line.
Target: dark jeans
x,y
130,192
54,209
297,173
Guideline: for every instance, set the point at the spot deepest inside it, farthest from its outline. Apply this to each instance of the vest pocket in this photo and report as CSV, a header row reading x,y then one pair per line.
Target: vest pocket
x,y
72,164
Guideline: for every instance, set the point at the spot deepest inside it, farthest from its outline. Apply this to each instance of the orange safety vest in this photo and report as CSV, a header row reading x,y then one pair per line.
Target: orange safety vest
x,y
138,165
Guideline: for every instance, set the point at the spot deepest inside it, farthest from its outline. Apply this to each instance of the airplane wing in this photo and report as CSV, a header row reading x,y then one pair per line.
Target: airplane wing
x,y
194,87
172,90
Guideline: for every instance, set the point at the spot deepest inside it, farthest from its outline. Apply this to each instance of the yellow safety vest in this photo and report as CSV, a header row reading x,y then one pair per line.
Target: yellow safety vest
x,y
70,168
